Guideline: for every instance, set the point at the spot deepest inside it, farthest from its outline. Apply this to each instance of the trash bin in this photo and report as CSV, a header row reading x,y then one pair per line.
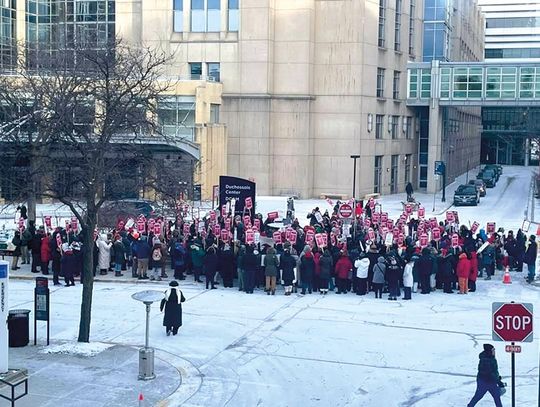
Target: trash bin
x,y
18,326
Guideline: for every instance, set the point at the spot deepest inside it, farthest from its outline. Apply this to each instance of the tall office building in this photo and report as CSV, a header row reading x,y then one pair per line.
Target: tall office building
x,y
512,29
512,34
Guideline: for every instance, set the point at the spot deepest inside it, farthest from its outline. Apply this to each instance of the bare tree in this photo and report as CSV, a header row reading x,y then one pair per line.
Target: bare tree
x,y
86,124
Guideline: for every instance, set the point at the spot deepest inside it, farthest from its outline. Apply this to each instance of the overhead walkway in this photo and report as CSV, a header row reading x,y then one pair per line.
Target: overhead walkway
x,y
473,84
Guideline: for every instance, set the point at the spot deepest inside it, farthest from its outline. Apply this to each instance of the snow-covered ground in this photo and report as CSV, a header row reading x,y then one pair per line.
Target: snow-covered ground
x,y
338,350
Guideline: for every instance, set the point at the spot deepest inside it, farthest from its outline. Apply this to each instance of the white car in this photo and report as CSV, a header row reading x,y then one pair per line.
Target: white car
x,y
6,245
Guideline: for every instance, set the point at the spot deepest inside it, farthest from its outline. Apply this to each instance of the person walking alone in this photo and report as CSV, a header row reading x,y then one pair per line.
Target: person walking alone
x,y
487,379
172,303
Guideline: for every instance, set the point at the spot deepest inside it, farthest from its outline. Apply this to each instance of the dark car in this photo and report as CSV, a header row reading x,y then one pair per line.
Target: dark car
x,y
112,211
496,168
490,178
480,186
466,195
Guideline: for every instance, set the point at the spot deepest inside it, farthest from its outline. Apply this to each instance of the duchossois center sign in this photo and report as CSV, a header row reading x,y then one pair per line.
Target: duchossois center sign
x,y
238,189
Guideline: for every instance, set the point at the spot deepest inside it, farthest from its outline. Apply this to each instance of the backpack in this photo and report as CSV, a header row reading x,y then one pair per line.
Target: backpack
x,y
156,254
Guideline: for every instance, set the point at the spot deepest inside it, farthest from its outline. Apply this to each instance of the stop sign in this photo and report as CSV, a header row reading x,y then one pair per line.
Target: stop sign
x,y
345,211
512,322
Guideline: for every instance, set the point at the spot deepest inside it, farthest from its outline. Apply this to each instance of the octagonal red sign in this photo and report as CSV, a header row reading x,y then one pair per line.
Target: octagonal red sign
x,y
512,322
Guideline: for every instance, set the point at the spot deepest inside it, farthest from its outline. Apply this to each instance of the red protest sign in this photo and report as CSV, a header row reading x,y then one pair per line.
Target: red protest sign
x,y
224,211
421,212
74,223
48,221
273,215
257,223
455,240
157,228
151,224
423,240
371,234
450,216
225,235
433,222
367,223
474,227
490,227
384,217
376,216
310,236
250,237
213,215
141,225
186,228
401,239
319,239
216,229
436,234
248,204
228,223
408,209
371,203
277,237
292,236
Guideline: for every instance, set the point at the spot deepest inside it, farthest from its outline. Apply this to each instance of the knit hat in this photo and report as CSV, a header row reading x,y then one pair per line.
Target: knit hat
x,y
175,284
488,347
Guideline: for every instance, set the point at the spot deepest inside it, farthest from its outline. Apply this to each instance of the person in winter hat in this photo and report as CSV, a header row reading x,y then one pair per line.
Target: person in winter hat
x,y
172,303
362,269
307,269
379,271
325,264
271,264
393,275
463,271
343,268
530,258
487,379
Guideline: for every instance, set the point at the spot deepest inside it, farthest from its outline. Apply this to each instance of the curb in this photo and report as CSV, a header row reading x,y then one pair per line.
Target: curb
x,y
96,279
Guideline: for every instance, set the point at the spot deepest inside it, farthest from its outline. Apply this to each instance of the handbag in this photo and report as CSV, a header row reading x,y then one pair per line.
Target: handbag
x,y
502,388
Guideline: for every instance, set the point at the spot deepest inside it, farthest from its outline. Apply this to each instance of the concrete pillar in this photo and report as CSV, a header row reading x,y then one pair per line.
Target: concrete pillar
x,y
435,146
527,151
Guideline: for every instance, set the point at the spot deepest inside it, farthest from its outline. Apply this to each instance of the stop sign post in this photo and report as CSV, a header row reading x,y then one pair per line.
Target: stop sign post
x,y
512,322
345,211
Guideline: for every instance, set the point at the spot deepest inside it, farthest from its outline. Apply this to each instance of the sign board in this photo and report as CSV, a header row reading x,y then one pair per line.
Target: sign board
x,y
423,240
41,292
48,222
474,227
310,236
455,240
257,223
450,216
389,239
440,168
512,322
319,239
371,234
273,215
513,348
197,195
292,236
436,234
4,348
376,217
277,237
238,189
225,235
345,211
141,225
384,217
248,203
250,237
490,227
224,211
408,209
421,212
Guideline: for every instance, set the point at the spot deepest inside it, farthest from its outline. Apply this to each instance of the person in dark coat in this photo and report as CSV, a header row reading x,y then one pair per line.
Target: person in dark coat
x,y
409,190
446,273
35,246
226,263
210,266
16,241
487,379
307,269
425,265
393,274
530,258
68,265
172,318
325,264
119,256
250,262
287,264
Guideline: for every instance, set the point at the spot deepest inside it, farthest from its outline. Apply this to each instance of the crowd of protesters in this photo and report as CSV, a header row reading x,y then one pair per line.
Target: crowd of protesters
x,y
330,254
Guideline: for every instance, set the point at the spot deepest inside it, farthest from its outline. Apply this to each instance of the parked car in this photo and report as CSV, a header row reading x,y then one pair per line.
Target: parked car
x,y
6,245
480,186
495,168
112,211
490,178
466,195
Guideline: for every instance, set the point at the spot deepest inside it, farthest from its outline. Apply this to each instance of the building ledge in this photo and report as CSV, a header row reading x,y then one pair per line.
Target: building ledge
x,y
268,96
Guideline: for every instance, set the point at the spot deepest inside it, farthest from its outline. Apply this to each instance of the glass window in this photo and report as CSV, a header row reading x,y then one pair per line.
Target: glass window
x,y
394,174
425,83
380,82
397,26
213,71
198,18
233,15
176,116
178,18
214,113
382,22
408,159
396,84
412,11
379,123
377,174
214,16
195,70
413,84
394,127
407,125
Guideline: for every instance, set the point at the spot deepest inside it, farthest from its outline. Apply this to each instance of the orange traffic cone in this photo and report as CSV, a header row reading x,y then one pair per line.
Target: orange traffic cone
x,y
141,399
506,277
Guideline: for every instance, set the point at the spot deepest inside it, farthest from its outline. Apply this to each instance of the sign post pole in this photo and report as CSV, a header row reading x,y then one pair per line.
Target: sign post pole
x,y
513,360
4,343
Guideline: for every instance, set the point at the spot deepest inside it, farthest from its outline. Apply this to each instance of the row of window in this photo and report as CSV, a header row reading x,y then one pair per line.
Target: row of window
x,y
212,70
513,22
396,81
512,53
393,126
205,16
393,170
383,11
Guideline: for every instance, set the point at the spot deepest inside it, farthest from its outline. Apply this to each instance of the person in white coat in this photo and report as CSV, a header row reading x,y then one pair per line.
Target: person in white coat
x,y
104,254
362,266
408,279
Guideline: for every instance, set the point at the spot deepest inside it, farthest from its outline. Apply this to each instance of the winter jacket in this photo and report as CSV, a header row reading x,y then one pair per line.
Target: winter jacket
x,y
197,256
393,272
463,267
425,265
141,249
250,262
488,256
362,267
343,267
307,267
325,265
271,263
210,262
487,367
173,307
530,254
379,271
474,267
287,264
408,275
119,252
45,250
104,256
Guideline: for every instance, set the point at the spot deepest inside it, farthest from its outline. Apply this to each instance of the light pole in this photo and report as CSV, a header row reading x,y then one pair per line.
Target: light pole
x,y
146,354
354,157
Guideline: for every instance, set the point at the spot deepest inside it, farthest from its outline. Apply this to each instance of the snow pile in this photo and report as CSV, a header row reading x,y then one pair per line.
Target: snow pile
x,y
78,348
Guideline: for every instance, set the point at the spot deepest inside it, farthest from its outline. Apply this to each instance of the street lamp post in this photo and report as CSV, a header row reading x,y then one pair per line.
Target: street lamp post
x,y
354,157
